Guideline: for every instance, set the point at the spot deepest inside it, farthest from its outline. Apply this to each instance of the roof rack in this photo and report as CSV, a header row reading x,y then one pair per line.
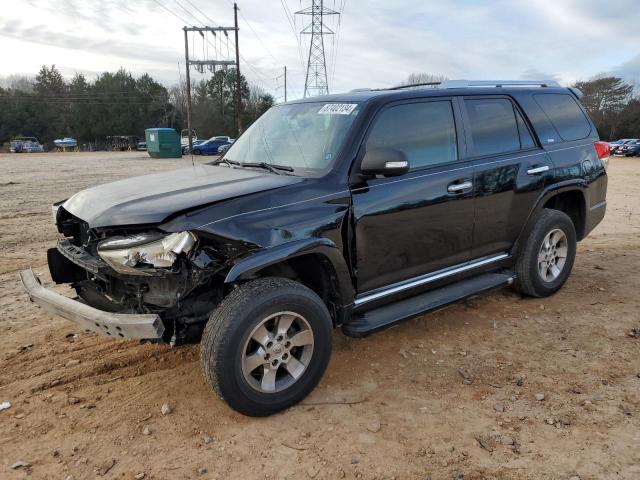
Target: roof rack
x,y
473,83
412,85
498,83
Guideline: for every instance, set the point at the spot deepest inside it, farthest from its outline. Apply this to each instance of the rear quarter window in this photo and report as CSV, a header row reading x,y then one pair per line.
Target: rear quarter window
x,y
565,115
493,125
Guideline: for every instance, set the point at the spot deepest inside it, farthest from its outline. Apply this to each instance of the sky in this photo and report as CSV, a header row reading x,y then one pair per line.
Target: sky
x,y
375,44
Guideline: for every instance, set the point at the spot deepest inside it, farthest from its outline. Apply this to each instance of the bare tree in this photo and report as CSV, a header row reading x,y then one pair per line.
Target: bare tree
x,y
17,83
605,98
418,78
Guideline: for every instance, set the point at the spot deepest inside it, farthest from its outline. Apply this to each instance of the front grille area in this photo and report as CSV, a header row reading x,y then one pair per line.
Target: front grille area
x,y
81,257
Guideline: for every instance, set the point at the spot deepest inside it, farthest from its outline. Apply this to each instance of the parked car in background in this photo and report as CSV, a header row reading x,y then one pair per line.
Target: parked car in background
x,y
184,137
629,149
211,146
357,211
225,138
222,149
185,149
141,146
615,146
25,145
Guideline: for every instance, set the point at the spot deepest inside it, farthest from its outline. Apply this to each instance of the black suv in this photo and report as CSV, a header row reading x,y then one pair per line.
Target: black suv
x,y
356,211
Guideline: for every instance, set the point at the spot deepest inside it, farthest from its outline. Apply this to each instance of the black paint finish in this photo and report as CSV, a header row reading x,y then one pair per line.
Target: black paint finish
x,y
370,231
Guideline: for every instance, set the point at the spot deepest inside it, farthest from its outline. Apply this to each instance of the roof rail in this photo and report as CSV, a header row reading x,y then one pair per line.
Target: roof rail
x,y
498,83
412,85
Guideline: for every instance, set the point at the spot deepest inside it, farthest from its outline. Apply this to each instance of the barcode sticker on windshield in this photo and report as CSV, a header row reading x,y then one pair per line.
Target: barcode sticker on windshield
x,y
337,109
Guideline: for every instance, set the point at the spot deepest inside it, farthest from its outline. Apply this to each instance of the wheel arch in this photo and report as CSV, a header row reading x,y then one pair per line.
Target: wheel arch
x,y
573,203
564,197
317,263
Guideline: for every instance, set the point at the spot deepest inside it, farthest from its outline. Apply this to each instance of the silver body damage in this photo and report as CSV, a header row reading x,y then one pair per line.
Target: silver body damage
x,y
117,325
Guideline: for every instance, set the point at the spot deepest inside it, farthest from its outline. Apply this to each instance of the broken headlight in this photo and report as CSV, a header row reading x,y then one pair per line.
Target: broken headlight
x,y
132,254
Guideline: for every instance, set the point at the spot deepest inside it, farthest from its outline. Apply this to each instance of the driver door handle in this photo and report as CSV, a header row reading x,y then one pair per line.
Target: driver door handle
x,y
459,187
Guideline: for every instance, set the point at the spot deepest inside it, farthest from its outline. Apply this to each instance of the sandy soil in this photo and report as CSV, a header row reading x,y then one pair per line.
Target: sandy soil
x,y
450,395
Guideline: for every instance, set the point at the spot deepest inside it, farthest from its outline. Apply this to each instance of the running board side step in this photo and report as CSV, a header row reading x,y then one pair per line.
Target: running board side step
x,y
363,324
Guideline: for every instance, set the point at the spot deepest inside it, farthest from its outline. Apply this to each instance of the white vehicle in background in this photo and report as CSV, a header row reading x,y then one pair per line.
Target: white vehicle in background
x,y
184,137
223,148
224,138
25,145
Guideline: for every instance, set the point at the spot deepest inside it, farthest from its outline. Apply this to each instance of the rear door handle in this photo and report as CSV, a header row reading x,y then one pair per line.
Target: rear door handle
x,y
536,170
459,187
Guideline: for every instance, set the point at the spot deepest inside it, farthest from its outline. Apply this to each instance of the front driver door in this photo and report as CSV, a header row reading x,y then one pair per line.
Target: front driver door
x,y
422,221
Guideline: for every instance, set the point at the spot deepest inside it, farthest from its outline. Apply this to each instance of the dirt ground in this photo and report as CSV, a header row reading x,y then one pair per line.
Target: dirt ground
x,y
450,395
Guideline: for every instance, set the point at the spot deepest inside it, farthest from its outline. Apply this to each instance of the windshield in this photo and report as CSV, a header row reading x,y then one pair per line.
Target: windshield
x,y
303,136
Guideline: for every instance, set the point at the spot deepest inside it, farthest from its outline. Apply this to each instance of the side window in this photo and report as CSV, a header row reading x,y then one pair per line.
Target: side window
x,y
565,115
424,131
493,125
526,140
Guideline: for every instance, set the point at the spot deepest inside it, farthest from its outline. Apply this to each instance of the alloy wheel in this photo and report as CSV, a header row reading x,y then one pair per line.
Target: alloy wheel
x,y
277,352
552,255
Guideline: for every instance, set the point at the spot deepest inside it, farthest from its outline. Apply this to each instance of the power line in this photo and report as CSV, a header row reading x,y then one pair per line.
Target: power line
x,y
62,102
187,11
343,4
291,21
260,77
202,13
182,19
257,36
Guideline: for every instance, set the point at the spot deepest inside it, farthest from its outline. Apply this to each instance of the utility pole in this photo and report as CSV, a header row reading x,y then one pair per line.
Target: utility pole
x,y
211,65
238,93
284,75
186,56
316,80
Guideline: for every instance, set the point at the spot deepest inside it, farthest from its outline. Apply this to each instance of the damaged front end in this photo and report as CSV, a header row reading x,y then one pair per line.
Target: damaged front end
x,y
132,271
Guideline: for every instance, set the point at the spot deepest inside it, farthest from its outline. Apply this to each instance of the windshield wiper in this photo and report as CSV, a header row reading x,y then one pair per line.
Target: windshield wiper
x,y
228,161
277,169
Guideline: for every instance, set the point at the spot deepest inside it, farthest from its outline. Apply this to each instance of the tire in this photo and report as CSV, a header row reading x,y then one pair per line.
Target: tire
x,y
196,152
539,279
228,345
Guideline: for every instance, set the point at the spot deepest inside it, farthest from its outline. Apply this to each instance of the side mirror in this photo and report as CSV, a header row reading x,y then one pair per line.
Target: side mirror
x,y
384,161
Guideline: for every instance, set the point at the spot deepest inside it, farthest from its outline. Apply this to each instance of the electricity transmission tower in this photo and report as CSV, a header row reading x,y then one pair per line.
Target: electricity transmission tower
x,y
316,80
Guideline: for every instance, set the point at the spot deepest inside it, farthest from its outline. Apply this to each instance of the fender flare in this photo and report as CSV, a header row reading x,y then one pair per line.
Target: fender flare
x,y
247,267
549,192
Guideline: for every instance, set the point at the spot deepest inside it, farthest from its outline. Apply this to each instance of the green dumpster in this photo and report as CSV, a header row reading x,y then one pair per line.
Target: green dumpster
x,y
163,143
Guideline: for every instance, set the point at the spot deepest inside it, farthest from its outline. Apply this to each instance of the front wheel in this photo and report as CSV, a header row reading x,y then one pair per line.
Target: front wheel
x,y
266,346
547,257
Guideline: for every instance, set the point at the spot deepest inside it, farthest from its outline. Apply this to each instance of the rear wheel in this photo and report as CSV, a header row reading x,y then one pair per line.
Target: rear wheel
x,y
547,257
267,345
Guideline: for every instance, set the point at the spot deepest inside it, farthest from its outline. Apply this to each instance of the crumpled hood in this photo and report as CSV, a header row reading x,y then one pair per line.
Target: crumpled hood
x,y
152,198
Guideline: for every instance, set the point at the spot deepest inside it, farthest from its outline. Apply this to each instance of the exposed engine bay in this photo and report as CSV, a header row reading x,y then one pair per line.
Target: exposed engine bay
x,y
141,270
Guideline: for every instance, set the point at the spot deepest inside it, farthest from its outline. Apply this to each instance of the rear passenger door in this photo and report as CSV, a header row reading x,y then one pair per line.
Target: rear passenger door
x,y
510,170
422,221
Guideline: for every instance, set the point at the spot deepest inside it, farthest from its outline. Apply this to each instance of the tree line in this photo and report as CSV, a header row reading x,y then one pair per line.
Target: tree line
x,y
117,103
613,107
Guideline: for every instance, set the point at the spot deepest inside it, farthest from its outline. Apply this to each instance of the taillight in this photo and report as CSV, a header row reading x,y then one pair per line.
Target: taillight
x,y
603,150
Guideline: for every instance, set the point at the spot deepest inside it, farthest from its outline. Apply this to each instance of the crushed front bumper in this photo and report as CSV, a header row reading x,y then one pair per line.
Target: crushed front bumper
x,y
117,325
